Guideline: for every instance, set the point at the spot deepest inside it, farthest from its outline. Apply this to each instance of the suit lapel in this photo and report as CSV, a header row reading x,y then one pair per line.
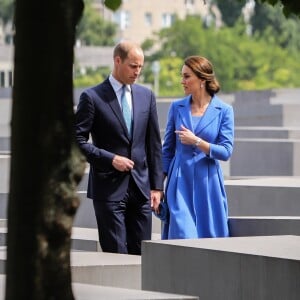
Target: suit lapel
x,y
114,104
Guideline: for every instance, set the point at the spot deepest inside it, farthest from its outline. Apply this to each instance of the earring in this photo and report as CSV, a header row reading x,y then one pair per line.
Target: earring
x,y
201,85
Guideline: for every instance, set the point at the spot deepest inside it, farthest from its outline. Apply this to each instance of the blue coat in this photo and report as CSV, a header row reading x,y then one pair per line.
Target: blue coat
x,y
195,189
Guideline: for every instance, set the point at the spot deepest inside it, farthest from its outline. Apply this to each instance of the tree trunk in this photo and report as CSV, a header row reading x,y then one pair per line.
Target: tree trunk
x,y
46,165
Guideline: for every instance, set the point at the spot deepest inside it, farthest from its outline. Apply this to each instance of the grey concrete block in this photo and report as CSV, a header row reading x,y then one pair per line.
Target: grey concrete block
x,y
3,234
162,112
96,292
85,239
265,157
92,292
266,108
4,172
266,132
82,186
4,144
85,215
290,114
2,259
6,92
107,269
262,226
263,196
285,96
258,226
5,117
3,205
240,268
82,239
253,108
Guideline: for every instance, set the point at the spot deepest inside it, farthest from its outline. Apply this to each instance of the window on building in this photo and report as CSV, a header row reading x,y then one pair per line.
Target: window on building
x,y
10,78
122,18
167,19
189,4
2,79
127,19
148,19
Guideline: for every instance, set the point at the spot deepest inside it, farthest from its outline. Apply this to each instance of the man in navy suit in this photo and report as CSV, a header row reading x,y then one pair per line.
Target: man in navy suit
x,y
126,178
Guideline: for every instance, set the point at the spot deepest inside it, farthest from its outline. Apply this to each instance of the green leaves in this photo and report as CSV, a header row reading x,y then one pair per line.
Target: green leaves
x,y
241,62
94,30
113,4
289,6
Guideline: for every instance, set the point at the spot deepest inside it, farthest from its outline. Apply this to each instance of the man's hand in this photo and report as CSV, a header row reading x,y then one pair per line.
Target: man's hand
x,y
122,163
156,197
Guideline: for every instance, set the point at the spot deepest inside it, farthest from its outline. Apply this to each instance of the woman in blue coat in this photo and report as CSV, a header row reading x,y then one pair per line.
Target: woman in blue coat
x,y
199,133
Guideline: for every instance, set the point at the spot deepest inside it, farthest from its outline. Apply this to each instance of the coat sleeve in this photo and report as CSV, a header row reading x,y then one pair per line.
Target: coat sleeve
x,y
84,119
222,149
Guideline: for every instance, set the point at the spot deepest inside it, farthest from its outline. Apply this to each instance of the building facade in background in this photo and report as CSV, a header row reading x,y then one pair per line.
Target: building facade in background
x,y
136,19
140,19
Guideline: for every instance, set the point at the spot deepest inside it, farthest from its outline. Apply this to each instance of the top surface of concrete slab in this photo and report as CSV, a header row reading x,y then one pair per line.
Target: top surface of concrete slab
x,y
273,218
290,96
288,181
265,128
284,246
100,258
95,292
92,292
85,233
86,258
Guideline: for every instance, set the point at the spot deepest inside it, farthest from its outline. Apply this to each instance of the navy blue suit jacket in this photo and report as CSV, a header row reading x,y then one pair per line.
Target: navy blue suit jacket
x,y
99,114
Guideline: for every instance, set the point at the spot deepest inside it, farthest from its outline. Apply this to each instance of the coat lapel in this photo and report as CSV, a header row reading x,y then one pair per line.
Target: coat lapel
x,y
184,111
212,112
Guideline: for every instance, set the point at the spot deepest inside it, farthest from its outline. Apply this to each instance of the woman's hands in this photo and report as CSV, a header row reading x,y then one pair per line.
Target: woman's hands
x,y
186,136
